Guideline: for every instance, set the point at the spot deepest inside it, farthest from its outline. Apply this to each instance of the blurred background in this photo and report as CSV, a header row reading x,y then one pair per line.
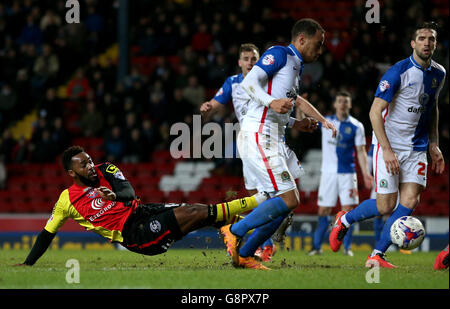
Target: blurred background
x,y
115,83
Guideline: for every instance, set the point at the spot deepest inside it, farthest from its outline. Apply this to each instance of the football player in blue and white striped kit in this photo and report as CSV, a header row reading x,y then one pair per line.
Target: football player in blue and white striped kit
x,y
338,178
231,91
261,138
404,117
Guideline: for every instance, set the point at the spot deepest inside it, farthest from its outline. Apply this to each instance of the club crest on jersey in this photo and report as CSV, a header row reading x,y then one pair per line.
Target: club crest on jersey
x,y
92,193
285,176
268,60
434,83
155,226
384,85
383,183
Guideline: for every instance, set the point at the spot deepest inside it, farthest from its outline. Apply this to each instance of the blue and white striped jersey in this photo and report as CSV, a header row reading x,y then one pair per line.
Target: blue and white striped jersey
x,y
283,66
411,91
231,91
338,154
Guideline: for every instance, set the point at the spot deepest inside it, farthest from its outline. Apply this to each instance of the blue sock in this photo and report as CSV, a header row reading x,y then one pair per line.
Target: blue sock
x,y
267,211
259,236
385,240
321,230
378,227
348,239
365,210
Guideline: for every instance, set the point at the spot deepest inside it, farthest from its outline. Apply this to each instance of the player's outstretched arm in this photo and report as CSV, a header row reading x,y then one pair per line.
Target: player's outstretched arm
x,y
209,107
43,240
307,124
311,111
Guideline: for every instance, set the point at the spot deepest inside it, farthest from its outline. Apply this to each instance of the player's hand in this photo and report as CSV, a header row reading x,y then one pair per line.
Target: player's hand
x,y
368,181
205,108
328,125
437,159
391,161
105,193
307,124
281,106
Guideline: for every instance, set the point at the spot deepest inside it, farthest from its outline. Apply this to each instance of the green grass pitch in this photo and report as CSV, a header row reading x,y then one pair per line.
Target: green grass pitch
x,y
210,269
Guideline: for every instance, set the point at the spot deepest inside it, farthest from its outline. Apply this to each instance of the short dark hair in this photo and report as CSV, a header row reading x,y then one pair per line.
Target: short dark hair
x,y
425,25
343,93
248,47
307,26
68,154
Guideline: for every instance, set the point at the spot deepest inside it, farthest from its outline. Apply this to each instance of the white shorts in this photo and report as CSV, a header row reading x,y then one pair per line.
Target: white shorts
x,y
334,185
413,168
268,164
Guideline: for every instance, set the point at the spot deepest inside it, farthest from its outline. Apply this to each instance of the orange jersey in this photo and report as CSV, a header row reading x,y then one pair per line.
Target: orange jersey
x,y
83,205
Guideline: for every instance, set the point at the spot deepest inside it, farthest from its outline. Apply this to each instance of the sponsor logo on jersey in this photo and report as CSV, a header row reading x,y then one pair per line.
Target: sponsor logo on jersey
x,y
268,60
416,110
102,210
97,203
384,85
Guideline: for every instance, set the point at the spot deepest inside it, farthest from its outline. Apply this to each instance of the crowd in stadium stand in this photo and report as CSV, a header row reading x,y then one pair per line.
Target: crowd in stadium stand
x,y
39,52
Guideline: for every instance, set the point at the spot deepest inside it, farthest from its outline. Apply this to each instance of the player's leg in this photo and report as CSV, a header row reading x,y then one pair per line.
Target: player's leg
x,y
321,229
441,261
191,217
386,188
412,178
268,166
349,235
409,199
327,199
349,197
296,170
226,211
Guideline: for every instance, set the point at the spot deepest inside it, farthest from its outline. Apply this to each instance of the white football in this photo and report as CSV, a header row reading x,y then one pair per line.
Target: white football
x,y
407,232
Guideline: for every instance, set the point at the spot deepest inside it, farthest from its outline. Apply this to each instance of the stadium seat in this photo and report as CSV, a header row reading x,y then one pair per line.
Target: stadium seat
x,y
175,197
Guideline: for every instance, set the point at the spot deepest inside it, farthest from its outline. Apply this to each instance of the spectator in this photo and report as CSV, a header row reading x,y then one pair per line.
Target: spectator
x,y
8,100
79,86
50,23
202,39
44,150
46,68
115,145
91,122
31,33
193,92
149,136
60,136
135,150
20,153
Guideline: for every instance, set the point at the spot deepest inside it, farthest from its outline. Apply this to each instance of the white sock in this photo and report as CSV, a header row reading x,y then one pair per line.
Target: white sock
x,y
375,252
344,221
261,197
